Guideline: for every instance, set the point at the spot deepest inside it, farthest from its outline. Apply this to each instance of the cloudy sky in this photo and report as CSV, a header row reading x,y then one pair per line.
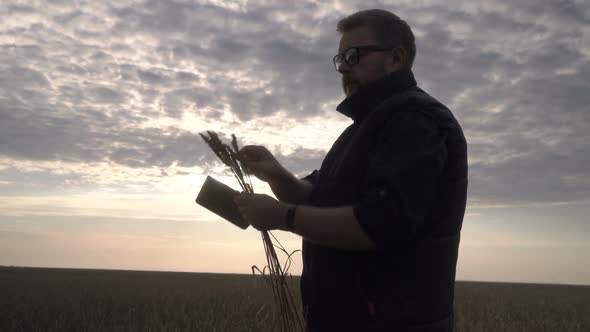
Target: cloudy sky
x,y
101,105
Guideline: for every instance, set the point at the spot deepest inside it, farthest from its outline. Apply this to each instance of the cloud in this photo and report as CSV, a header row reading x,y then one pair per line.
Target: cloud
x,y
132,83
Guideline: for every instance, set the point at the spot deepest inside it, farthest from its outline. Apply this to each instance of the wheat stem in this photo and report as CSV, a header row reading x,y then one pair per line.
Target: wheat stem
x,y
290,319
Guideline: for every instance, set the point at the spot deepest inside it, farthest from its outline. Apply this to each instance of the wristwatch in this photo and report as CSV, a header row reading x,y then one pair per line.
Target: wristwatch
x,y
290,218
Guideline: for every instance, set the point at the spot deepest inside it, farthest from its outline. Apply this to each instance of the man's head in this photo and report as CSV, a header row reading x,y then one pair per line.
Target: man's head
x,y
392,47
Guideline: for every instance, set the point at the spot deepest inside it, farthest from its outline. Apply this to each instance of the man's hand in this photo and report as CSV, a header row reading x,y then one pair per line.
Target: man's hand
x,y
260,162
262,211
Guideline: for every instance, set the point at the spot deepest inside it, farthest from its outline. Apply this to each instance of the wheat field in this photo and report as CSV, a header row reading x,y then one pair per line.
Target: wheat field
x,y
40,299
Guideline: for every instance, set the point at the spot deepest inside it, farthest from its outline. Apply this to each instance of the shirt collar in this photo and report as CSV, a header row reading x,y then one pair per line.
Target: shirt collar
x,y
359,104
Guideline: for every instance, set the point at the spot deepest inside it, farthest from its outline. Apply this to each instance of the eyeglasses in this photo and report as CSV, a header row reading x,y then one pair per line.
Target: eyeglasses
x,y
352,55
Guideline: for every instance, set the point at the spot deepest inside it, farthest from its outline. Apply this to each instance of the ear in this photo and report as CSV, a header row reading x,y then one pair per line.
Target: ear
x,y
397,59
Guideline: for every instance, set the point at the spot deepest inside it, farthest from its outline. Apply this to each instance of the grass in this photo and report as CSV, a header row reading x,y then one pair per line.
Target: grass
x,y
36,299
521,307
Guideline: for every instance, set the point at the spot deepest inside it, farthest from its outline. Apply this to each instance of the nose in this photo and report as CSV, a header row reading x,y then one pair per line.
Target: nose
x,y
343,68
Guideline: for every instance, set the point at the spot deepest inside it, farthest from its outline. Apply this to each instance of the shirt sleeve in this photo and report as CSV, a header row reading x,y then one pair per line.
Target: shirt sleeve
x,y
402,180
312,177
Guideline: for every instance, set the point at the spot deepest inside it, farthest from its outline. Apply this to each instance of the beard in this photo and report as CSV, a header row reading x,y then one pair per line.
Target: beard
x,y
350,85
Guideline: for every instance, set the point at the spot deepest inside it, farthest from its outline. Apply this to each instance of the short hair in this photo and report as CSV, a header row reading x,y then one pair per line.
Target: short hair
x,y
387,28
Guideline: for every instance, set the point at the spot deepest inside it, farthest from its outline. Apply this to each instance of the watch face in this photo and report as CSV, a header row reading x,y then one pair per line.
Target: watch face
x,y
291,217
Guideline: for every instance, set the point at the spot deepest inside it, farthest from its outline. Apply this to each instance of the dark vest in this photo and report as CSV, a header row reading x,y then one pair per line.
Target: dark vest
x,y
412,289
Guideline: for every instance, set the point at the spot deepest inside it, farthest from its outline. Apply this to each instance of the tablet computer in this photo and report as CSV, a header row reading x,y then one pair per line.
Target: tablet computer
x,y
219,199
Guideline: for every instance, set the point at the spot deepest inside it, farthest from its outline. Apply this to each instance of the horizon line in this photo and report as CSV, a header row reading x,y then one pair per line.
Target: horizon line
x,y
248,274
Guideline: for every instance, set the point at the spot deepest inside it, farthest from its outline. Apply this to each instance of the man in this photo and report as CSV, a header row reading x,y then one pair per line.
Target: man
x,y
381,219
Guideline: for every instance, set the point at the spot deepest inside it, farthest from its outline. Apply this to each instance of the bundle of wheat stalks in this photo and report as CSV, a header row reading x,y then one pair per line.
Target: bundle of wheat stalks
x,y
277,276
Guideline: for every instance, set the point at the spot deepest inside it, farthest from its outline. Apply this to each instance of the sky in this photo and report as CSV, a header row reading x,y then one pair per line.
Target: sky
x,y
102,103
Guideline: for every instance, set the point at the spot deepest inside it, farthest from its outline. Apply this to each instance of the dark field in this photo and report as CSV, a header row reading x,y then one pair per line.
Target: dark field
x,y
34,299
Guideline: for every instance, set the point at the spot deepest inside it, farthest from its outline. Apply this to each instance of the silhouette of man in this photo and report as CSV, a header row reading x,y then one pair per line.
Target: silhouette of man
x,y
381,219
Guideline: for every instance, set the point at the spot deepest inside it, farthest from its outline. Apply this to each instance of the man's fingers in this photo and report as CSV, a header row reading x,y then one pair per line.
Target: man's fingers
x,y
254,167
247,150
252,153
241,198
238,200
